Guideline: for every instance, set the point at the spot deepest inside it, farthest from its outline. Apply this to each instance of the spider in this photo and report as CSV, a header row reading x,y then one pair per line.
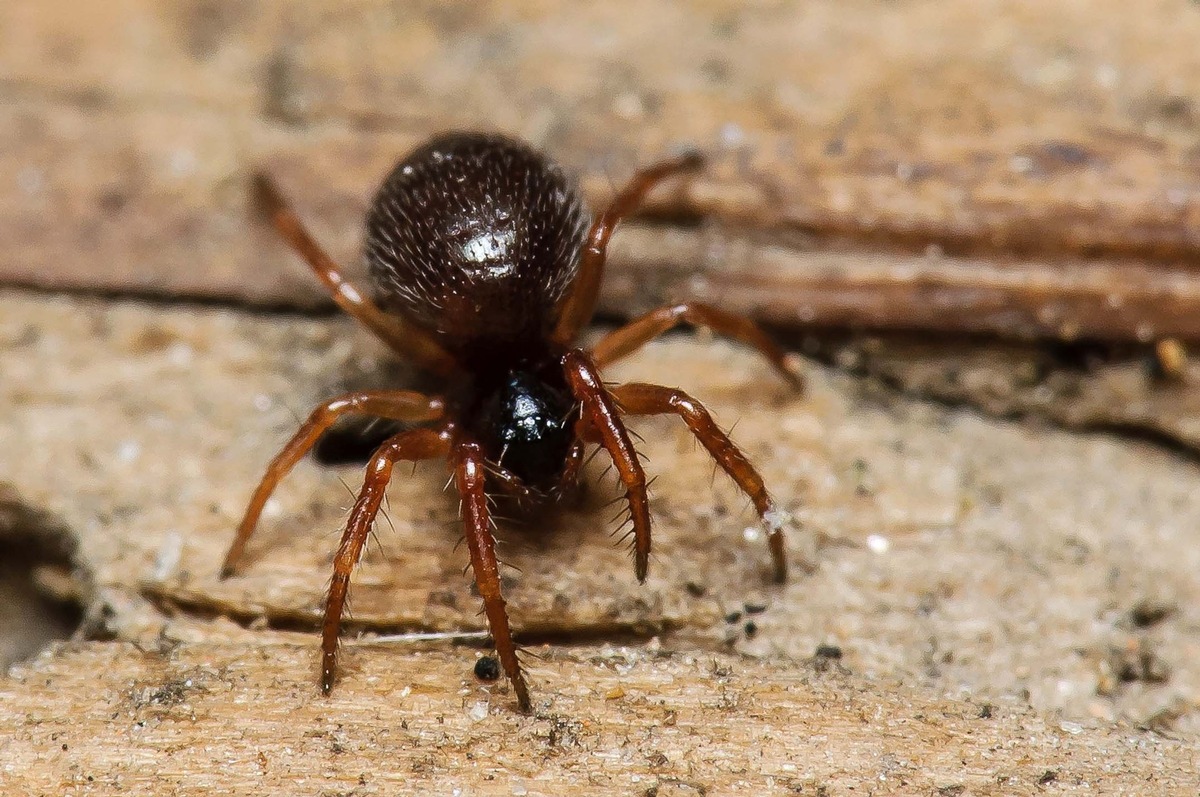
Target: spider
x,y
485,269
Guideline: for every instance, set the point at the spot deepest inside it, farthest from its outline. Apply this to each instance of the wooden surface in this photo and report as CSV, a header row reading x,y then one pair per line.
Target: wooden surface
x,y
956,562
1016,605
1019,168
242,718
1012,169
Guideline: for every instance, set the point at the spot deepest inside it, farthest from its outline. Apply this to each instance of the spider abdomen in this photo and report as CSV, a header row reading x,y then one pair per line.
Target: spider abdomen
x,y
476,239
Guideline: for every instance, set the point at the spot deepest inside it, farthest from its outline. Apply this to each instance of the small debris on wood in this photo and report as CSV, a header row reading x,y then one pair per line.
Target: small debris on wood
x,y
1151,611
487,668
1170,360
1139,663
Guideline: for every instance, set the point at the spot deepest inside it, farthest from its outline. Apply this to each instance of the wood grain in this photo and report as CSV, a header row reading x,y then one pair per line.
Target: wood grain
x,y
243,718
1013,168
1045,154
955,561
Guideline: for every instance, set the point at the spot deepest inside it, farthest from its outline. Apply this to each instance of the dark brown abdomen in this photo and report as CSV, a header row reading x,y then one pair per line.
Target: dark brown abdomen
x,y
476,238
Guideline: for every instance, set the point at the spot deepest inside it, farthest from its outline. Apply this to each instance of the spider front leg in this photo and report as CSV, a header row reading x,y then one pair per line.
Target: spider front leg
x,y
568,482
641,399
402,337
580,304
565,487
470,474
601,414
414,445
398,405
642,330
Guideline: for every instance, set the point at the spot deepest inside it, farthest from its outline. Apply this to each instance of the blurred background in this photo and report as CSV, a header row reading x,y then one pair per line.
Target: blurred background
x,y
872,163
1003,171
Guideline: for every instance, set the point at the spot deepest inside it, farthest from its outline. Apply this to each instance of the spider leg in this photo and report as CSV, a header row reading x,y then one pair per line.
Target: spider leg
x,y
400,405
641,399
640,331
470,473
415,444
600,409
401,337
568,482
580,303
509,482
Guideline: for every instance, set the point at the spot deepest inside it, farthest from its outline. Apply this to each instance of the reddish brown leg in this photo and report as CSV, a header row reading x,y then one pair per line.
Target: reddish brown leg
x,y
403,338
471,476
640,331
581,302
400,405
416,444
639,399
510,483
603,418
568,483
